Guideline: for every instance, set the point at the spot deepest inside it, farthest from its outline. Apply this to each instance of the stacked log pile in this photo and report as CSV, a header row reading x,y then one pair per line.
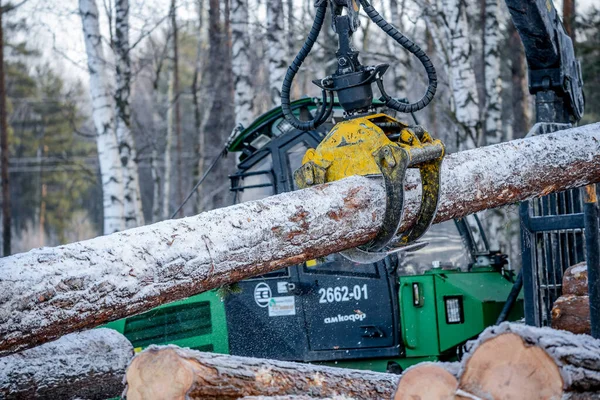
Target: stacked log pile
x,y
571,311
48,293
509,361
513,361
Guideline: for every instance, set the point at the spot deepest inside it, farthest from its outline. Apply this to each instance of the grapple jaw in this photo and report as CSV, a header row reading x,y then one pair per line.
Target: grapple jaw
x,y
380,146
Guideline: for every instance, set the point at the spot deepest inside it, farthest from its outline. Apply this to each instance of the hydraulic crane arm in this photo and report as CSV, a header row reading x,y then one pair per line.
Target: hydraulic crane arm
x,y
554,72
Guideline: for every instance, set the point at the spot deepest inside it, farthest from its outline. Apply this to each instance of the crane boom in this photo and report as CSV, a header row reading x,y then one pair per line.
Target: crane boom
x,y
554,72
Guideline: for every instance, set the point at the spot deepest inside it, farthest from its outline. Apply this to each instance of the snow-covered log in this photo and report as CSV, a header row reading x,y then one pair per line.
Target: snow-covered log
x,y
49,292
169,372
520,361
87,365
512,361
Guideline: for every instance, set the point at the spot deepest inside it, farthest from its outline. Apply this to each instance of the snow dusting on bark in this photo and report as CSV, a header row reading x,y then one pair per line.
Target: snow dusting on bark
x,y
577,356
207,375
48,292
80,365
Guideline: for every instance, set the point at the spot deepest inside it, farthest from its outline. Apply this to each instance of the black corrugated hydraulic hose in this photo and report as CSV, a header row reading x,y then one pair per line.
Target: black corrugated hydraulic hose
x,y
293,70
412,48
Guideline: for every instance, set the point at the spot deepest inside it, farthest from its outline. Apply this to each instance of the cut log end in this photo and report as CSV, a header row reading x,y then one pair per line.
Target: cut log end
x,y
575,280
505,367
572,313
162,375
426,381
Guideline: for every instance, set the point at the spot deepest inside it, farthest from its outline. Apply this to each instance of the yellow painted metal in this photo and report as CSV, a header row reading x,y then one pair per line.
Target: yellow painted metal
x,y
348,149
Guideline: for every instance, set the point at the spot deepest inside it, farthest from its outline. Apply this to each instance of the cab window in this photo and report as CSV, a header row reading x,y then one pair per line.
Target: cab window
x,y
256,182
446,249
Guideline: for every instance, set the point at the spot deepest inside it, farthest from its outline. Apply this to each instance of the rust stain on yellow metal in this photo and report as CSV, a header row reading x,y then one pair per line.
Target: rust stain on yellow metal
x,y
349,147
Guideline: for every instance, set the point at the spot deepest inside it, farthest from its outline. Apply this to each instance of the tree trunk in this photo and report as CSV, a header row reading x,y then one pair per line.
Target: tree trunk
x,y
524,362
492,35
166,204
403,68
134,214
175,373
88,365
244,96
462,75
103,115
276,50
569,18
219,121
46,293
520,93
197,82
4,151
572,313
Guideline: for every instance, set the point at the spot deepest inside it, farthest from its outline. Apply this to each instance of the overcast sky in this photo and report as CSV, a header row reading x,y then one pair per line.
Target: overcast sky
x,y
56,27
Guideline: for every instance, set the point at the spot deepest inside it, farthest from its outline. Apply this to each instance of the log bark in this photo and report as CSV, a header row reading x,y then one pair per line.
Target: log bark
x,y
575,280
174,373
49,292
88,365
528,362
572,313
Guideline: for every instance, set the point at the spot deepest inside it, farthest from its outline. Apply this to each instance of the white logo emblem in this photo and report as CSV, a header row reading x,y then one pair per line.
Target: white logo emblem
x,y
262,294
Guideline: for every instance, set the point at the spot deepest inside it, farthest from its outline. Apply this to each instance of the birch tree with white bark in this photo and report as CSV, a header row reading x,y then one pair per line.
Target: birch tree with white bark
x,y
497,220
276,49
240,47
492,35
111,171
403,67
134,215
465,99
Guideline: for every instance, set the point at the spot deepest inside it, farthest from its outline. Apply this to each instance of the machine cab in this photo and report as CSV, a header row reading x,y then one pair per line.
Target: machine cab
x,y
328,308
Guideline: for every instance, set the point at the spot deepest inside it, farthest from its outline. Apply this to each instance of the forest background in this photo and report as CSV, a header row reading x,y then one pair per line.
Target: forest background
x,y
115,108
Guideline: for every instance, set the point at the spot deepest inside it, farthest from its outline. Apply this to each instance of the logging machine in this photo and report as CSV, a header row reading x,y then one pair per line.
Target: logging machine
x,y
384,315
400,299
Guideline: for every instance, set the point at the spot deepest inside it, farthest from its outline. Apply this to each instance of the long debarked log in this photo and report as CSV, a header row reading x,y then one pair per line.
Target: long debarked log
x,y
169,372
49,292
87,365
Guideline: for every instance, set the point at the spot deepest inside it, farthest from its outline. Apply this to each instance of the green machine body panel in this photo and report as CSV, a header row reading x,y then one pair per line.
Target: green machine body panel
x,y
479,296
197,322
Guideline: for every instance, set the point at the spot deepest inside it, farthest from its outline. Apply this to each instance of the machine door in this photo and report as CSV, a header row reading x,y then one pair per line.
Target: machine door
x,y
348,307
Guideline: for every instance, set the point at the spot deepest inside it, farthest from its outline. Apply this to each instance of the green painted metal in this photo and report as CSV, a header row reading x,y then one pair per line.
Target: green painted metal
x,y
197,322
483,294
425,330
419,329
266,119
378,365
